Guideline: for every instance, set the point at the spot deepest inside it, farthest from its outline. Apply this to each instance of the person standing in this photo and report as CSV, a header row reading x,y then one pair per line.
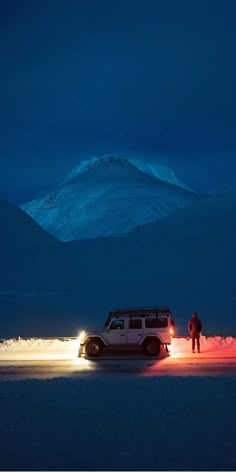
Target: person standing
x,y
195,328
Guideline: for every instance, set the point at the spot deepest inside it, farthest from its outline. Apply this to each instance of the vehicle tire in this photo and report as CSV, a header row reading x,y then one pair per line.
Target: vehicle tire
x,y
152,347
93,348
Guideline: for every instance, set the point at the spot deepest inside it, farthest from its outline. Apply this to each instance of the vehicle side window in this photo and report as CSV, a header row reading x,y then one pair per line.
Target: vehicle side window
x,y
117,324
156,322
135,323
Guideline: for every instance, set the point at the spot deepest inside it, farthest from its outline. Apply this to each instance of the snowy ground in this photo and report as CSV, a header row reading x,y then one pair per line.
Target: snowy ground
x,y
49,349
51,358
40,349
117,422
210,346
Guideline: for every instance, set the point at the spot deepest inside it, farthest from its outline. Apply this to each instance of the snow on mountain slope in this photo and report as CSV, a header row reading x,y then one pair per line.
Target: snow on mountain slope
x,y
160,172
106,197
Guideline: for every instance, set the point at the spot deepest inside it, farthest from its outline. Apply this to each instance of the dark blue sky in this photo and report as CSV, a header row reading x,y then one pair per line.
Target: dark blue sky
x,y
153,79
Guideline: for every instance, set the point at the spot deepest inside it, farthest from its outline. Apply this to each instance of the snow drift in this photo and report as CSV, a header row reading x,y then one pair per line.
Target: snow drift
x,y
58,349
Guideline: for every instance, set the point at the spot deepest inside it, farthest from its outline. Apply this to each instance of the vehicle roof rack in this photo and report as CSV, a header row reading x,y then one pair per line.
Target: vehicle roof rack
x,y
137,311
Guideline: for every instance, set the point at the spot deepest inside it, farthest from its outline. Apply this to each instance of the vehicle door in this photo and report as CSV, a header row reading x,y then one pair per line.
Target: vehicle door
x,y
134,330
116,331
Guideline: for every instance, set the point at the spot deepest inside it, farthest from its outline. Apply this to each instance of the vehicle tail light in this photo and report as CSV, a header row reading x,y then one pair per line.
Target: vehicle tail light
x,y
172,331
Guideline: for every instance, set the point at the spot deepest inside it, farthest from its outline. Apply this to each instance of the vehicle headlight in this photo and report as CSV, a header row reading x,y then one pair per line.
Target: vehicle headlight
x,y
81,336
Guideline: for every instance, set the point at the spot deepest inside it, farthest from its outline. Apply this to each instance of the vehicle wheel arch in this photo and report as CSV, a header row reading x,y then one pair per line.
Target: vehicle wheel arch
x,y
95,338
150,338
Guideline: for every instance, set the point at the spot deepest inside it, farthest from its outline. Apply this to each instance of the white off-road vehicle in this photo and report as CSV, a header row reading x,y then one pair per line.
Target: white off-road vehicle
x,y
138,328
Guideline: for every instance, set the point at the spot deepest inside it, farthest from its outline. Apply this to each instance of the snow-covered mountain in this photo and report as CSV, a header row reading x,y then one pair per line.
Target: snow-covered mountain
x,y
109,196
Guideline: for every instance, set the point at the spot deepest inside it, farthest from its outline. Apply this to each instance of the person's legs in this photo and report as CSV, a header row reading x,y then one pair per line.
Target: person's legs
x,y
198,342
193,342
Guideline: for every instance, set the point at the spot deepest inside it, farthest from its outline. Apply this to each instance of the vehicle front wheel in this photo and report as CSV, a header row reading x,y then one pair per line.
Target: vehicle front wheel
x,y
152,347
93,348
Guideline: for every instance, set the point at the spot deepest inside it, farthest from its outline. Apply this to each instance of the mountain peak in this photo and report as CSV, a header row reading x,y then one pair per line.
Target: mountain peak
x,y
107,161
116,164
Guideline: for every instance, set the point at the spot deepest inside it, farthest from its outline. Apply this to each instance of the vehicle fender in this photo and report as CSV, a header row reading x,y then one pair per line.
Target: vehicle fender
x,y
147,337
97,337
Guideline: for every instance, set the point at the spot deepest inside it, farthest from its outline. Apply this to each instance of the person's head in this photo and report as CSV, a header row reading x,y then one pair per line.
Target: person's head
x,y
194,315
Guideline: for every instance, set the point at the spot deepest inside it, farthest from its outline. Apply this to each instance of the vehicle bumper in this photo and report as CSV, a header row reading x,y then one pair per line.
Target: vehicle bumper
x,y
81,351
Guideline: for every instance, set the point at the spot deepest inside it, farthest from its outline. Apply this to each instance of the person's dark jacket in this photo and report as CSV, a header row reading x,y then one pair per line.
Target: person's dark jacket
x,y
194,326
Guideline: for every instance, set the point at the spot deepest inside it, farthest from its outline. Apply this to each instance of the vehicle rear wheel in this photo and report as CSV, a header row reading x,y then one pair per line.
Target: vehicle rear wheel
x,y
93,348
152,347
